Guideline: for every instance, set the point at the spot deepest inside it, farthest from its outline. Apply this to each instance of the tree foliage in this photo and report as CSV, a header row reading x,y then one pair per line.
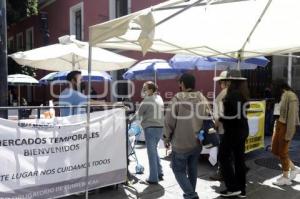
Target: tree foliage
x,y
18,9
15,68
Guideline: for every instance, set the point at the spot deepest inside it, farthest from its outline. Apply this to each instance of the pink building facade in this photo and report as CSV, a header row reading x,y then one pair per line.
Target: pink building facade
x,y
64,17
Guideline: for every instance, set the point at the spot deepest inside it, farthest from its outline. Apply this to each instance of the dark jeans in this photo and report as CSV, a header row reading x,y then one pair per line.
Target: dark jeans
x,y
218,157
232,160
185,169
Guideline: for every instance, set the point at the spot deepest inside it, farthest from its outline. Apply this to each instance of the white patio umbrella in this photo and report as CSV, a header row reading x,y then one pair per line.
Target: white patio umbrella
x,y
71,54
21,80
223,28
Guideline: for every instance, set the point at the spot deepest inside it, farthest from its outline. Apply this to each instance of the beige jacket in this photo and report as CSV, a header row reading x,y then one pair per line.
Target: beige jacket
x,y
184,119
289,113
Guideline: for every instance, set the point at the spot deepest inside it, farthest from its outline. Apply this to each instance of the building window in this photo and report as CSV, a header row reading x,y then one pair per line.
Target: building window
x,y
20,41
29,38
118,8
121,8
78,25
10,45
76,21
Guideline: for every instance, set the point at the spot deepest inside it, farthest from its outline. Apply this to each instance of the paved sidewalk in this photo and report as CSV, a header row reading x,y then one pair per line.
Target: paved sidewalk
x,y
260,180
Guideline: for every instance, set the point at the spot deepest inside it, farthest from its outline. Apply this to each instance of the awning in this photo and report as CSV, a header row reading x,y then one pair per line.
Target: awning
x,y
224,28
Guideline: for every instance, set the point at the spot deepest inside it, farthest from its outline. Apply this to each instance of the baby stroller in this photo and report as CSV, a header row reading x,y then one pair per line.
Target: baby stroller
x,y
134,131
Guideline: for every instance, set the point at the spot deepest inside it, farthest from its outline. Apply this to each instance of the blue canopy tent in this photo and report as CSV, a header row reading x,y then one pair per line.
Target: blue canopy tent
x,y
62,76
190,62
47,79
152,69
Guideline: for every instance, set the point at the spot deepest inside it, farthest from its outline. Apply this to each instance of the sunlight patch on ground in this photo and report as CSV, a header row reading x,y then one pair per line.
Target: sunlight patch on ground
x,y
270,181
205,189
296,187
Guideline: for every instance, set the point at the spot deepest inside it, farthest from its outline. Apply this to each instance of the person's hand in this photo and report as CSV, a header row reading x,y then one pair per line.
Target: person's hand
x,y
217,124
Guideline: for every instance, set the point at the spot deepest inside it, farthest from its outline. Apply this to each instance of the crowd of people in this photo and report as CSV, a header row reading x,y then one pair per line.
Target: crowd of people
x,y
184,118
180,123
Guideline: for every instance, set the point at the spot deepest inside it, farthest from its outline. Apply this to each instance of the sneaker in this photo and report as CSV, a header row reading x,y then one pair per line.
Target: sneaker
x,y
294,173
227,193
282,181
242,194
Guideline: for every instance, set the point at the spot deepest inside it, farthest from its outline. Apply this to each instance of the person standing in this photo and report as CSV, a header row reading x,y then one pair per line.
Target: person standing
x,y
94,94
10,97
151,112
236,131
218,112
285,128
183,120
72,95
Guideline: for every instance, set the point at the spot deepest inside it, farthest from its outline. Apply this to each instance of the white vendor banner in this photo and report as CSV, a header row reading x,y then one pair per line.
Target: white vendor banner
x,y
47,158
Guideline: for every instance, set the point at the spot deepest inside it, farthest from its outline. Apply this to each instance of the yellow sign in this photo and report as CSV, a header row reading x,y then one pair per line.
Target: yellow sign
x,y
256,121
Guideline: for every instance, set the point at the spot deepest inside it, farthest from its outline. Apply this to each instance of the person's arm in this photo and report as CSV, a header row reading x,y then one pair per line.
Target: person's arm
x,y
292,114
170,121
140,112
142,109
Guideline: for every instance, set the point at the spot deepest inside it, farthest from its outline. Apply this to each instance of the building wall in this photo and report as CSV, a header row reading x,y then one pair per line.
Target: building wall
x,y
141,4
280,68
21,27
94,12
58,18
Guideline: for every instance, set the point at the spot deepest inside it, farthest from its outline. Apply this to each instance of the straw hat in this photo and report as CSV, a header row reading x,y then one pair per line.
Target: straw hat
x,y
222,76
230,75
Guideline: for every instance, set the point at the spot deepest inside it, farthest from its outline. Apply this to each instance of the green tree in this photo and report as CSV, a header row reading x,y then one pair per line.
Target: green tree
x,y
18,9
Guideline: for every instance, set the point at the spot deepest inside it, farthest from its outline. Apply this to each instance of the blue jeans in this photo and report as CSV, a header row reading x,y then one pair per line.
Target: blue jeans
x,y
152,137
185,167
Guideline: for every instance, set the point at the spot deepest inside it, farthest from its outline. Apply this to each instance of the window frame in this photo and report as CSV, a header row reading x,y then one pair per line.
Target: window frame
x,y
28,30
72,22
18,47
10,41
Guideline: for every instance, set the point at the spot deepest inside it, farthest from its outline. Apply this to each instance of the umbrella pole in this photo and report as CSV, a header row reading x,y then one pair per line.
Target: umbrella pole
x,y
73,62
215,84
290,59
155,77
239,64
19,95
88,119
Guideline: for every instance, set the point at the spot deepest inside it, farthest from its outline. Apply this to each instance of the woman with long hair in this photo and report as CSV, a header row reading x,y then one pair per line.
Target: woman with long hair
x,y
236,131
285,128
